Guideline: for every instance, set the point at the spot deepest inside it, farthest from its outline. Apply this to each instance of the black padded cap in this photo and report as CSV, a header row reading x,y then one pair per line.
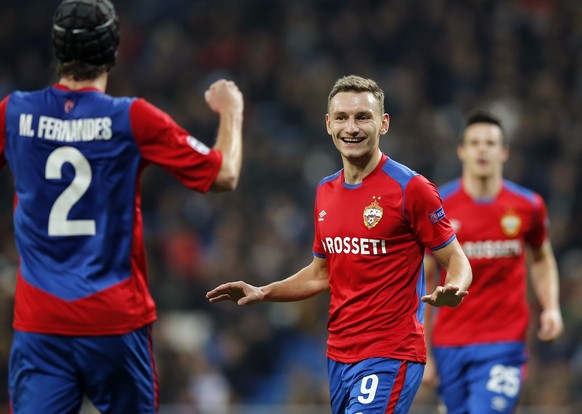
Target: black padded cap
x,y
86,31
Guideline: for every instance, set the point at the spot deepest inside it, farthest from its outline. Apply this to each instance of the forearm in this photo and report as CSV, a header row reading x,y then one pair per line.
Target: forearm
x,y
432,274
457,266
229,143
544,275
459,272
304,284
458,278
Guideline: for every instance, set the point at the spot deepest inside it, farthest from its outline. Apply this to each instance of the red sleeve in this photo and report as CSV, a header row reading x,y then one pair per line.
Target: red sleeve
x,y
424,211
317,248
538,233
163,142
3,105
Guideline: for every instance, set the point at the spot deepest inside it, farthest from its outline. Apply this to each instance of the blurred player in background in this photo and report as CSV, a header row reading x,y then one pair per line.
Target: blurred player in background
x,y
480,349
83,312
373,220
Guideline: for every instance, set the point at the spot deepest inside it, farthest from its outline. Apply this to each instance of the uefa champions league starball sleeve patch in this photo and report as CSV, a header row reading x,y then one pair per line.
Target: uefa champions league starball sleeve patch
x,y
437,215
197,145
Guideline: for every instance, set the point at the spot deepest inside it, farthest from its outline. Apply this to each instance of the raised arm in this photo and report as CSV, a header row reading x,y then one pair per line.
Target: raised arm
x,y
458,279
544,275
226,99
307,282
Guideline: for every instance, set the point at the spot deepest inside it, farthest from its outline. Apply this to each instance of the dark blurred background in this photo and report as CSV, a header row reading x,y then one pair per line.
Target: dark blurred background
x,y
435,60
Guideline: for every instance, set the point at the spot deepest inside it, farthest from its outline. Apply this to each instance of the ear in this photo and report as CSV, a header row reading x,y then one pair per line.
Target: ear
x,y
385,126
461,152
505,153
327,124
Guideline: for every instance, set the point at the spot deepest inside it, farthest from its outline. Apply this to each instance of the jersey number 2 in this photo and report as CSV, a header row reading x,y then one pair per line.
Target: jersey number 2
x,y
59,224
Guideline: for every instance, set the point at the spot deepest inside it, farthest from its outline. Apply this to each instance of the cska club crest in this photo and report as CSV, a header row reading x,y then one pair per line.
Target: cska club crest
x,y
373,213
510,224
69,105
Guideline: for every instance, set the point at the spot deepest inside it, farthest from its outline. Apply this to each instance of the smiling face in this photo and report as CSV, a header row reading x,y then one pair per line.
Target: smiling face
x,y
483,151
355,123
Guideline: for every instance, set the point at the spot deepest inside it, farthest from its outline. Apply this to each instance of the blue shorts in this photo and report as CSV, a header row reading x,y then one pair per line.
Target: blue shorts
x,y
481,379
49,374
375,385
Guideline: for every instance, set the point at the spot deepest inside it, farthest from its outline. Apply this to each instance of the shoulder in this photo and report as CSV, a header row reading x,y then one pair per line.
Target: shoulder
x,y
399,172
329,179
448,189
114,101
142,103
26,95
4,101
412,184
144,111
522,193
22,100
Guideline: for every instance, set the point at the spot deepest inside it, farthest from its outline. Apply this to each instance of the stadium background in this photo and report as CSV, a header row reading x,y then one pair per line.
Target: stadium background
x,y
435,60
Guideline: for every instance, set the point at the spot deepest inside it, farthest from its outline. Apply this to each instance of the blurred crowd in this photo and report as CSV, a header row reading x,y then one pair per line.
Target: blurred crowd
x,y
435,59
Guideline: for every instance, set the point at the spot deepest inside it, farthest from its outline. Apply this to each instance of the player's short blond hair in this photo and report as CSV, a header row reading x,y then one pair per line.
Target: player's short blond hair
x,y
354,83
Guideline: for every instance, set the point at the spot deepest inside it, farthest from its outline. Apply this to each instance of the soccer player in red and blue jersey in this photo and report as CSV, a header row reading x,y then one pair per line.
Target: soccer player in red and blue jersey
x,y
83,312
480,349
373,219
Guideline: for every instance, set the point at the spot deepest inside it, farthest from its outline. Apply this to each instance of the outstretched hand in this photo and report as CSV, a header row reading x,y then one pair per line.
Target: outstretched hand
x,y
240,292
447,295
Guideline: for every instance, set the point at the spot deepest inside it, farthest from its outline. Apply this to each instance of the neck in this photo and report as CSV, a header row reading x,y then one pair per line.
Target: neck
x,y
356,171
98,83
482,187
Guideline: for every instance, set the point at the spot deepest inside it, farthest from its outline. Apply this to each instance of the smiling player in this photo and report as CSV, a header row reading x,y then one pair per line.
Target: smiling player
x,y
373,219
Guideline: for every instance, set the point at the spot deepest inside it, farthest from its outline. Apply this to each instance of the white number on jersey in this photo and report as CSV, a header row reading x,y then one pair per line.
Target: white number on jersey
x,y
504,380
59,224
368,389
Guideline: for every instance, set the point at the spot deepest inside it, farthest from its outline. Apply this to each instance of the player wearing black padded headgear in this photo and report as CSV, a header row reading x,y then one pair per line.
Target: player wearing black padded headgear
x,y
86,31
82,301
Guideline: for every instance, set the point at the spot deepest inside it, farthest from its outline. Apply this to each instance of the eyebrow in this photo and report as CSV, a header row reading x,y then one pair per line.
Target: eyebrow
x,y
362,112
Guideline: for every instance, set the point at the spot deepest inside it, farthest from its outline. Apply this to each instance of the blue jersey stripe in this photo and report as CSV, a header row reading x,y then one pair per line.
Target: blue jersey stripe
x,y
449,188
519,190
399,172
330,178
445,243
402,175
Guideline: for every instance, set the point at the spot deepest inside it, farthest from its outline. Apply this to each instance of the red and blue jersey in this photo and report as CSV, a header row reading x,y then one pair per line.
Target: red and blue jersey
x,y
493,233
76,158
373,236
